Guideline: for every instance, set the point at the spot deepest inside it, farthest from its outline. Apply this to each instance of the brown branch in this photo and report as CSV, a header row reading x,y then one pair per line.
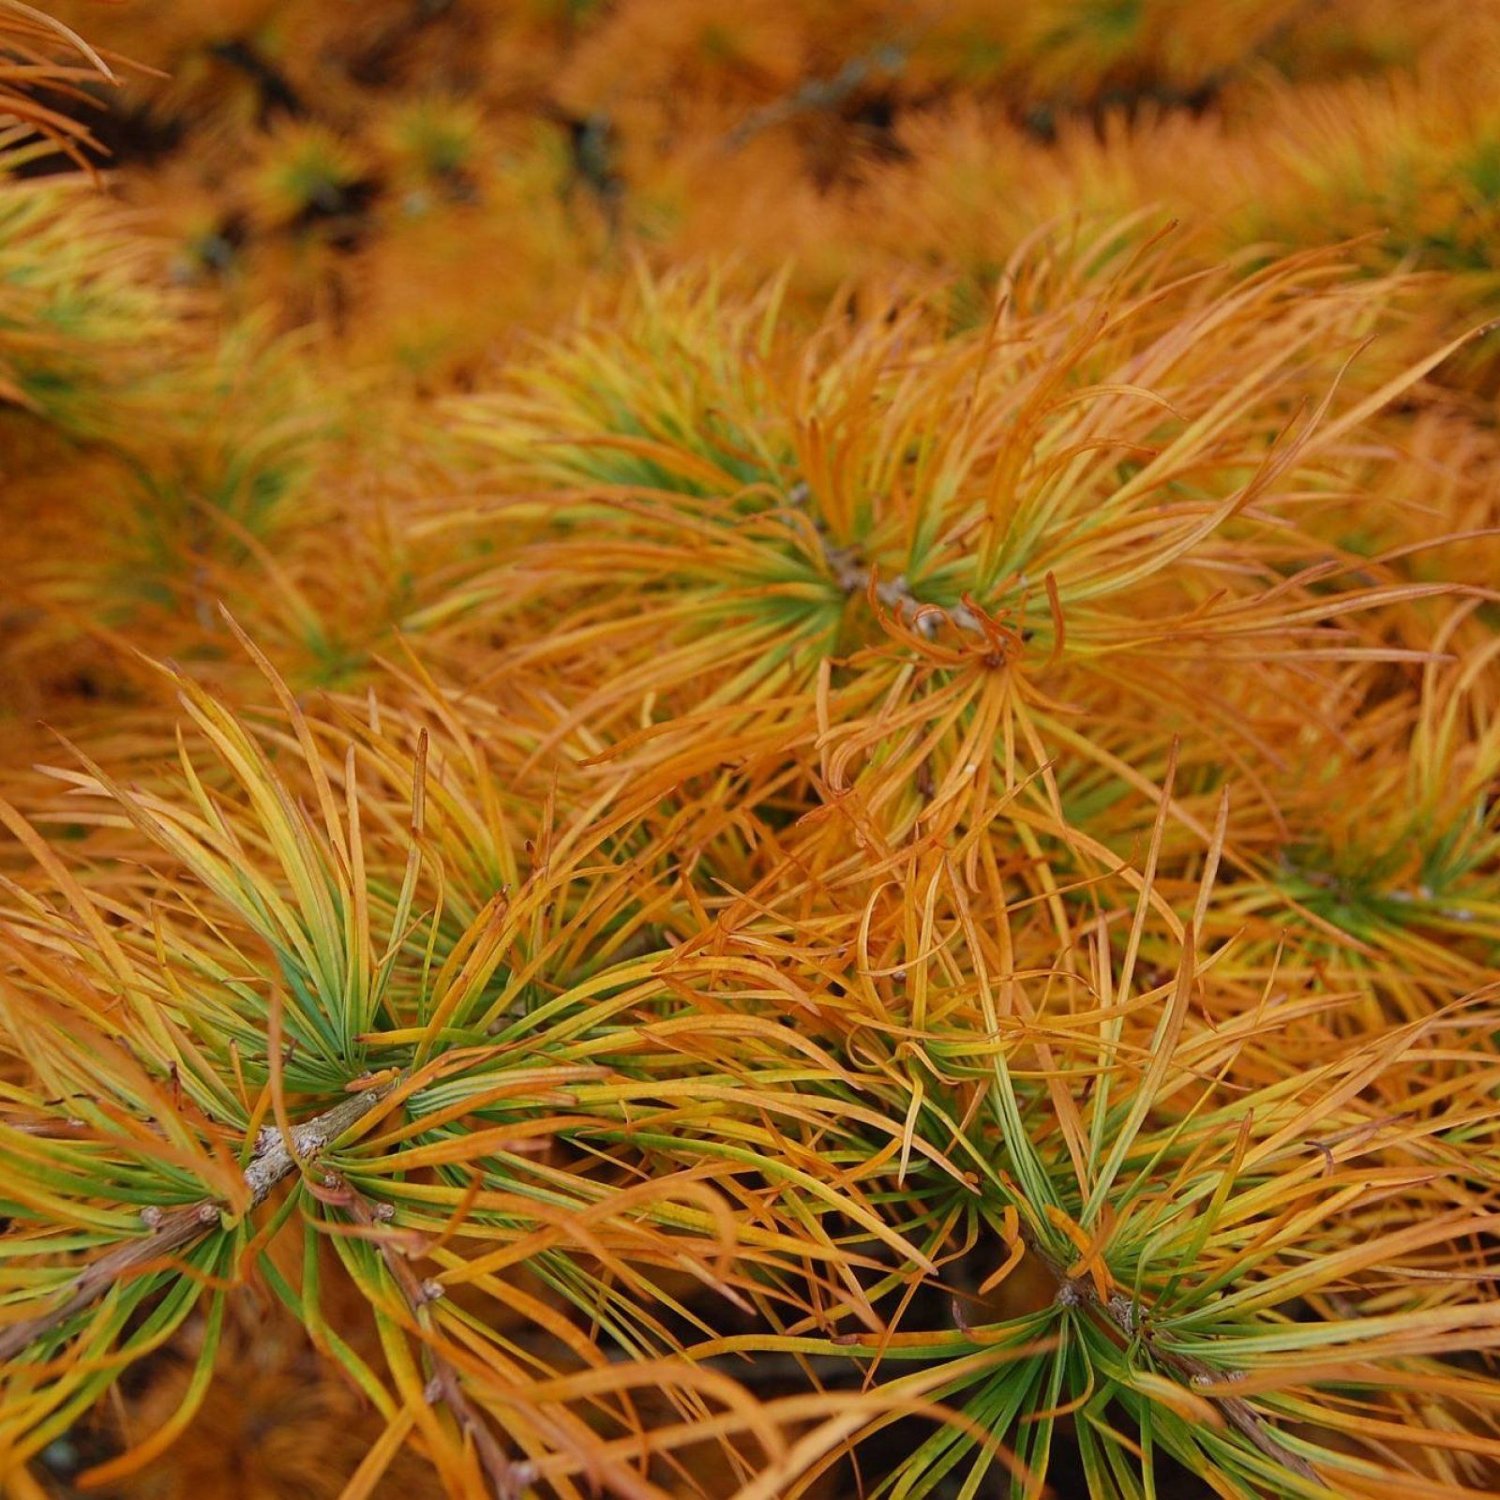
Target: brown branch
x,y
276,1154
1120,1312
275,1157
821,94
170,1232
1237,1412
853,576
508,1480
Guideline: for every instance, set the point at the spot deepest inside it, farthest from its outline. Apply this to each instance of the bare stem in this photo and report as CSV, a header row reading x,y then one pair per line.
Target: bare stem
x,y
1121,1313
508,1480
276,1155
821,94
854,576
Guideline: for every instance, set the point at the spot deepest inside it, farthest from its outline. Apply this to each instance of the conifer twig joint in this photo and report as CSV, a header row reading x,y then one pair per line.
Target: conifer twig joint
x,y
274,1159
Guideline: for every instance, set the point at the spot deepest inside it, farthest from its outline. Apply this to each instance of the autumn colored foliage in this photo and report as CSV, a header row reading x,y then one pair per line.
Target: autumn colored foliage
x,y
749,751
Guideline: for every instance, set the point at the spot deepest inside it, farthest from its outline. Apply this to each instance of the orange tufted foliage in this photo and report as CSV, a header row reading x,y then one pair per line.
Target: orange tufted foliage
x,y
749,752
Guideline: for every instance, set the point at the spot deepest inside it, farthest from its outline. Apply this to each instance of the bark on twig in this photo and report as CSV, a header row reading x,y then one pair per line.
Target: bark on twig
x,y
173,1230
508,1480
276,1155
1122,1314
821,93
854,577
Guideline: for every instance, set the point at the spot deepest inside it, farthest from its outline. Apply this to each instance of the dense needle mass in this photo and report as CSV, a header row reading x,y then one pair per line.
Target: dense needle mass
x,y
749,753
